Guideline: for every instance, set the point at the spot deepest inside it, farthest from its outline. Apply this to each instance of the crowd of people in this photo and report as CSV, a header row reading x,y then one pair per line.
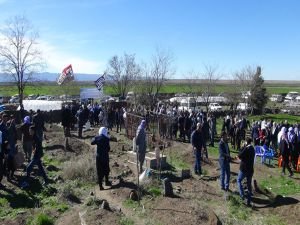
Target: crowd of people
x,y
32,129
197,128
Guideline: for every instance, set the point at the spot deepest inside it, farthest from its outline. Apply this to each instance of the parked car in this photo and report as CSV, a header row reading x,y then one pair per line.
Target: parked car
x,y
1,99
44,97
31,97
214,107
14,99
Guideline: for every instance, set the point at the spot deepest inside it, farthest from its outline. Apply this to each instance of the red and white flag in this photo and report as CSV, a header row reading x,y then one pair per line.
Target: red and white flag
x,y
67,75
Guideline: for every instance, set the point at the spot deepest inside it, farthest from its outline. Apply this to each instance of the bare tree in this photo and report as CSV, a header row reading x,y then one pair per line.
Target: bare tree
x,y
210,78
244,79
156,73
193,87
234,94
161,69
20,57
124,71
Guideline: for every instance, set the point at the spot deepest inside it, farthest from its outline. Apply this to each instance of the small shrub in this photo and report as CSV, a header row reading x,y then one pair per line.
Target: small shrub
x,y
41,219
83,168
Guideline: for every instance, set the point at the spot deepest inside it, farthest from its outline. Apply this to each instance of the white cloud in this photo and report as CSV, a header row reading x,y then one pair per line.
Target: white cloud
x,y
56,60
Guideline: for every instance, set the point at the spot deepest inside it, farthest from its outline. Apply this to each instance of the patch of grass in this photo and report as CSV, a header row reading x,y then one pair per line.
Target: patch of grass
x,y
54,203
281,185
277,117
128,203
272,219
3,202
82,168
126,221
51,161
237,208
41,219
155,191
176,161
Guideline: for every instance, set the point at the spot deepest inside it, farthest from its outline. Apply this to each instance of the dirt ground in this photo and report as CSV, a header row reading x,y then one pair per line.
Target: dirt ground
x,y
196,200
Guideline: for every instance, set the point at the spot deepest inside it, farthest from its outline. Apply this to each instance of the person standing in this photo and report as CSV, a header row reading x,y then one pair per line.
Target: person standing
x,y
102,157
26,138
36,159
11,148
66,120
205,133
39,124
224,160
81,120
4,139
197,143
285,153
141,144
246,156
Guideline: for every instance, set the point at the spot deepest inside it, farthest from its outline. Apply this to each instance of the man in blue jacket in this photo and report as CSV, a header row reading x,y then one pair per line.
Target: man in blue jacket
x,y
224,160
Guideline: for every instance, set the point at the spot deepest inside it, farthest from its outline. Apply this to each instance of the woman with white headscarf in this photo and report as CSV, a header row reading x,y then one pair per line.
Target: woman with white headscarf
x,y
282,131
102,157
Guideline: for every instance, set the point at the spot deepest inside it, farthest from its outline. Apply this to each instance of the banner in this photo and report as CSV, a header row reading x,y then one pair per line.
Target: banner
x,y
67,75
100,82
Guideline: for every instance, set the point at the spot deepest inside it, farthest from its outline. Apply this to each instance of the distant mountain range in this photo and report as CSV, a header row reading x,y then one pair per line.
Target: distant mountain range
x,y
53,77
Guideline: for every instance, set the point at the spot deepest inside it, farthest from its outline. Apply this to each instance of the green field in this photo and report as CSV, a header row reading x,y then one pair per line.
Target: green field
x,y
53,89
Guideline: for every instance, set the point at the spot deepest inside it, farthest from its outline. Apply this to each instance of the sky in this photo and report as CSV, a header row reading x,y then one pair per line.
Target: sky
x,y
229,34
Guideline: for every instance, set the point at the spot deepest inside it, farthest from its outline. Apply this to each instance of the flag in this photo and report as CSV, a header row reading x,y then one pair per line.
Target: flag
x,y
100,82
67,75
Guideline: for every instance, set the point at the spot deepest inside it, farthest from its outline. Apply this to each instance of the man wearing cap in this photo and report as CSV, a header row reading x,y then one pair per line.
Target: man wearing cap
x,y
102,157
197,143
141,143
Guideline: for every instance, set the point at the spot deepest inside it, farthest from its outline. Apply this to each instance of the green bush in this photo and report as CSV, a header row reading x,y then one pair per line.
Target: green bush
x,y
41,219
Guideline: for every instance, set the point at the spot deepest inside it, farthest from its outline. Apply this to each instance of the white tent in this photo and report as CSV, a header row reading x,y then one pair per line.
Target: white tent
x,y
94,93
43,105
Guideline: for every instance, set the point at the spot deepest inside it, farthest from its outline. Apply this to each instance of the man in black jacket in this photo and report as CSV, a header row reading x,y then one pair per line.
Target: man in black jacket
x,y
246,169
197,143
66,120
